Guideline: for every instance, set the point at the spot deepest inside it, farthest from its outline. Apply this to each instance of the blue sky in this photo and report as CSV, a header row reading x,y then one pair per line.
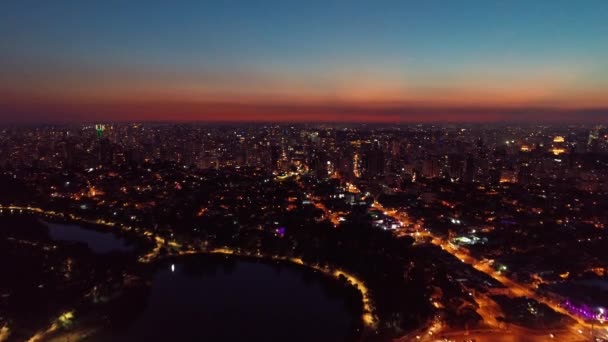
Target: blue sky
x,y
421,51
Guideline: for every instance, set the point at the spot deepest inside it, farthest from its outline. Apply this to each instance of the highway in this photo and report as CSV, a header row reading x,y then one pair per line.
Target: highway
x,y
488,309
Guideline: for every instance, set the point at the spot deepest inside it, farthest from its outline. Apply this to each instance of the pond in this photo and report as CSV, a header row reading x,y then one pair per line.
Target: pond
x,y
204,299
207,297
99,242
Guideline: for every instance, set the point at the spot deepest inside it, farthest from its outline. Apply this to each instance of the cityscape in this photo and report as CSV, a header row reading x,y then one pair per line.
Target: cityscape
x,y
304,171
442,230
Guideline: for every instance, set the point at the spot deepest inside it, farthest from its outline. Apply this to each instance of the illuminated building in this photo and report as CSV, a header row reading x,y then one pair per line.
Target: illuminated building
x,y
99,129
356,170
594,139
508,176
558,146
430,168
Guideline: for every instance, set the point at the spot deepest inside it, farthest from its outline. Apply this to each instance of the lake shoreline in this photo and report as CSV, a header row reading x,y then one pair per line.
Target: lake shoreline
x,y
88,325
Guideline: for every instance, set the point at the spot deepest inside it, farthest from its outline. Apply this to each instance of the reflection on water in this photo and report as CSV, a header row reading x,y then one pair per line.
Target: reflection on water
x,y
206,299
98,242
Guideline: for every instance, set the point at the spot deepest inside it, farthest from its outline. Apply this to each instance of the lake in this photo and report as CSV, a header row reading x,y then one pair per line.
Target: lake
x,y
99,242
207,299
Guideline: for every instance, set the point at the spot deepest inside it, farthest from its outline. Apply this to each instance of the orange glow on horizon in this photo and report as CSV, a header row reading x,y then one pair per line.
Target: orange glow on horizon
x,y
151,103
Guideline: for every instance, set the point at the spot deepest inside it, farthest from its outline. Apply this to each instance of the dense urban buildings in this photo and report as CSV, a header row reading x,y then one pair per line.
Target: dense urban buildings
x,y
437,232
304,171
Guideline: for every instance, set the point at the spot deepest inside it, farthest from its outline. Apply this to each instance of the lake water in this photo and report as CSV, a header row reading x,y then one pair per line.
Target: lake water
x,y
240,300
98,242
210,298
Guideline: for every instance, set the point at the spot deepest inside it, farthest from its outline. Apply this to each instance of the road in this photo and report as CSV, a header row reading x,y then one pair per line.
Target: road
x,y
333,217
489,310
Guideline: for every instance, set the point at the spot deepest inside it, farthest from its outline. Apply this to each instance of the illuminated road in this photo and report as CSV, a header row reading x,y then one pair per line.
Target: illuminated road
x,y
328,214
5,332
510,335
488,309
316,201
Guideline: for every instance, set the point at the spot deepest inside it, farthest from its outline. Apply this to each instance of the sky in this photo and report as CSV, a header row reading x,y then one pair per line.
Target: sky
x,y
371,61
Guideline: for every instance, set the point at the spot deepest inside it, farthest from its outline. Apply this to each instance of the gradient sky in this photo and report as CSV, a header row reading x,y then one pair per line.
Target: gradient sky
x,y
450,60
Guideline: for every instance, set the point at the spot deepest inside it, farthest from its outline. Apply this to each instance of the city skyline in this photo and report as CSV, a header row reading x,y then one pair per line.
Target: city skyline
x,y
336,170
426,232
336,62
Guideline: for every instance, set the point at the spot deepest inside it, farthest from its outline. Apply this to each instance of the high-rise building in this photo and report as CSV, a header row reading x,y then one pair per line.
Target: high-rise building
x,y
99,129
430,168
